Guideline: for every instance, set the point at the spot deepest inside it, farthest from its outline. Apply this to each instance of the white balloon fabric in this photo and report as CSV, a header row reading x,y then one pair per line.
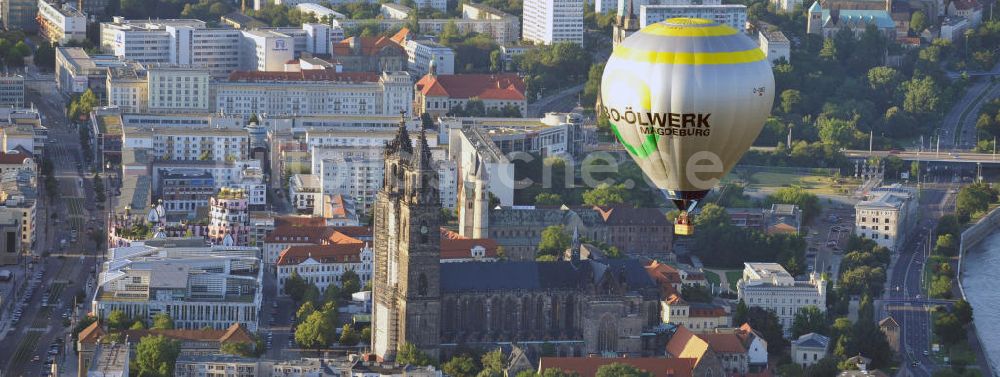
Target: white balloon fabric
x,y
687,97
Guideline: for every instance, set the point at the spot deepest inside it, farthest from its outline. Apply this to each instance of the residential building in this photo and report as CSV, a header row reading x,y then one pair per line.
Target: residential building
x,y
809,349
319,11
323,265
555,134
953,28
174,89
438,94
184,192
198,286
775,45
886,216
786,5
891,329
106,136
826,22
264,50
300,230
748,218
110,360
11,248
19,14
369,54
505,30
605,6
694,315
76,71
192,343
61,23
511,26
222,365
423,56
359,177
128,89
11,91
769,286
733,15
228,365
21,128
337,211
656,366
637,4
471,147
189,143
971,10
395,11
441,5
228,216
320,37
552,21
305,192
314,92
18,161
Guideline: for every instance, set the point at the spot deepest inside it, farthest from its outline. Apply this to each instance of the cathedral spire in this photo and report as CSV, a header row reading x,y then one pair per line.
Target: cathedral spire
x,y
401,143
422,155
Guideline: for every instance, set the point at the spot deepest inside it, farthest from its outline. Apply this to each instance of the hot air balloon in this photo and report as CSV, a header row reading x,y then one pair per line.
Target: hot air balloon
x,y
686,97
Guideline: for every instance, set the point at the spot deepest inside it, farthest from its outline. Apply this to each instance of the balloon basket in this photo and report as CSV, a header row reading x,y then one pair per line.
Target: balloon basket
x,y
683,225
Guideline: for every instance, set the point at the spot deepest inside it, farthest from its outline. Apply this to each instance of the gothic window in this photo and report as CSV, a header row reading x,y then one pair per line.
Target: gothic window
x,y
424,232
607,335
422,285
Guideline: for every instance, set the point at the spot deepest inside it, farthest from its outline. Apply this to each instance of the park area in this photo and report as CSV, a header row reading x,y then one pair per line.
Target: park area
x,y
765,179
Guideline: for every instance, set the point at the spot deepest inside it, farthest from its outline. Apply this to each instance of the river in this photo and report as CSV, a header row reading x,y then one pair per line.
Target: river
x,y
982,289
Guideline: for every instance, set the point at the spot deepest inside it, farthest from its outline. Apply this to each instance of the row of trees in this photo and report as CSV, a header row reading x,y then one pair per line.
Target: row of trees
x,y
601,182
550,68
278,15
974,199
205,10
13,50
317,313
476,108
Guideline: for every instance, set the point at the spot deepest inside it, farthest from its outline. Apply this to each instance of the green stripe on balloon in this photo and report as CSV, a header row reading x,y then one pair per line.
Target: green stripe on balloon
x,y
647,148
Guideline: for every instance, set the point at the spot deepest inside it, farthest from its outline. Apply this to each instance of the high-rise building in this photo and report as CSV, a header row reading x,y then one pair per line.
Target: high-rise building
x,y
313,92
19,14
61,23
551,21
734,15
11,90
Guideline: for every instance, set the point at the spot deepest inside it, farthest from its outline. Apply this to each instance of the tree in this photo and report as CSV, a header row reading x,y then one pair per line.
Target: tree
x,y
305,310
243,349
767,324
809,319
807,202
921,96
409,354
137,325
620,370
117,320
548,199
946,245
554,241
740,314
949,329
316,331
163,321
974,198
918,22
348,336
295,286
460,366
605,195
963,311
790,100
825,367
350,284
493,361
156,356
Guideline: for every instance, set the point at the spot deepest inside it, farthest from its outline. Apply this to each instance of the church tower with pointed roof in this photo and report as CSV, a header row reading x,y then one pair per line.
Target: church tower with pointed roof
x,y
626,24
406,292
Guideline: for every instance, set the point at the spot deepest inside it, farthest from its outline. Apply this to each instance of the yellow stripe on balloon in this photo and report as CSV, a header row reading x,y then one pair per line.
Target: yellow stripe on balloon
x,y
688,58
672,30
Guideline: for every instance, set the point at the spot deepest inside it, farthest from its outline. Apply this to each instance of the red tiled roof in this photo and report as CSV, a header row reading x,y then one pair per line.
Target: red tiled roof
x,y
13,158
298,234
701,311
483,86
401,36
723,343
663,273
304,75
333,253
588,366
299,221
368,45
355,231
235,333
92,333
685,343
454,246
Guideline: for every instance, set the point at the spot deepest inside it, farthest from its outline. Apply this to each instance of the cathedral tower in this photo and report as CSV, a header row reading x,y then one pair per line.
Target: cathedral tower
x,y
406,291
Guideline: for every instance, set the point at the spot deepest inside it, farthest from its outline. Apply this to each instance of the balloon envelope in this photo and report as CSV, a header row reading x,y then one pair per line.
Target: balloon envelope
x,y
687,97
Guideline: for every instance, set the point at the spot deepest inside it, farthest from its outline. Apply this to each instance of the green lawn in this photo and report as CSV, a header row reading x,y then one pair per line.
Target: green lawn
x,y
713,278
24,351
816,184
734,277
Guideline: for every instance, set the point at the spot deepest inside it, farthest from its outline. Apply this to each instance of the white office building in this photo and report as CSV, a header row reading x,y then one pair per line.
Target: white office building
x,y
11,91
61,23
189,143
734,15
769,286
315,92
420,54
325,265
178,89
551,21
264,50
319,11
886,216
197,285
775,45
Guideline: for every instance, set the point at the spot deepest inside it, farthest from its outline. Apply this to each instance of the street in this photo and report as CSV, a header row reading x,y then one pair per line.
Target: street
x,y
63,274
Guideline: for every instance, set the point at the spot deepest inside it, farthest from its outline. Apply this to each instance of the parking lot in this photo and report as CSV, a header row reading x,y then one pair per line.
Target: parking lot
x,y
827,239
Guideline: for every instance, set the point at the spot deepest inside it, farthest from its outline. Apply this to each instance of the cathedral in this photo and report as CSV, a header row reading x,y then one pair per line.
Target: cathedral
x,y
576,307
